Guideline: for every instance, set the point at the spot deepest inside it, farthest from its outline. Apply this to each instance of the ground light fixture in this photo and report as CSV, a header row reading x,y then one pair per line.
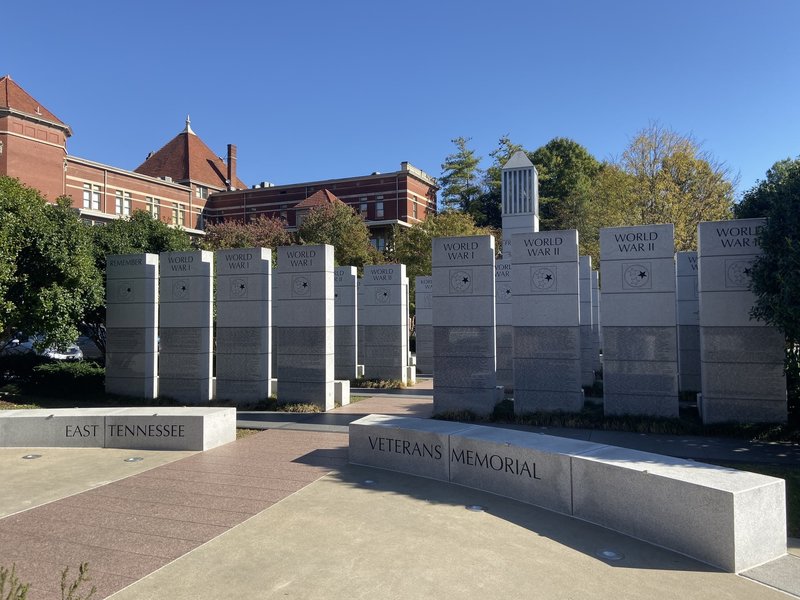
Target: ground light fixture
x,y
31,456
132,459
475,508
368,482
610,555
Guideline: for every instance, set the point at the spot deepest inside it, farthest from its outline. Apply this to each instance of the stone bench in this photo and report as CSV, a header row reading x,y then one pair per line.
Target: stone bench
x,y
734,520
144,428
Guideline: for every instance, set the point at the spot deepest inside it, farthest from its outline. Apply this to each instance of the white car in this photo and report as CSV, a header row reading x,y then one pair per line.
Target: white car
x,y
71,352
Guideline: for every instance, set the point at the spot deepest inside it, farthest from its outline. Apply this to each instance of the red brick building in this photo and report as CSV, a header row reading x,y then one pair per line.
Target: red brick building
x,y
185,183
403,197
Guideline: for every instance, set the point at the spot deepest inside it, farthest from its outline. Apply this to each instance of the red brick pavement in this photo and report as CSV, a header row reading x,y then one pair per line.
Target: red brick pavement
x,y
128,529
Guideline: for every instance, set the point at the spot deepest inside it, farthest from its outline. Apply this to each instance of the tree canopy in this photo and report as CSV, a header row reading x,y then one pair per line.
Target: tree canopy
x,y
136,234
261,232
48,279
461,177
674,181
340,226
776,273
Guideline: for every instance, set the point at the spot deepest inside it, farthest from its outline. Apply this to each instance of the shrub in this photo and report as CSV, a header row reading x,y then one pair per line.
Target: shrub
x,y
66,379
18,368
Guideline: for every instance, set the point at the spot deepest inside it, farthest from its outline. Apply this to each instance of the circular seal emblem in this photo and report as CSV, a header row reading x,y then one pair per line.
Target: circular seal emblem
x,y
543,278
300,286
382,296
460,281
238,288
738,273
180,289
636,276
125,290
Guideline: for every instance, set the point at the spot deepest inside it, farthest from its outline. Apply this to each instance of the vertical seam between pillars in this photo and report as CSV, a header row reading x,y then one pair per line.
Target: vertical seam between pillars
x,y
571,488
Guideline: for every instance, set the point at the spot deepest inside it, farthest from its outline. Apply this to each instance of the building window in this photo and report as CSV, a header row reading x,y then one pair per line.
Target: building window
x,y
414,209
362,206
201,192
91,196
152,206
379,209
123,203
284,213
175,213
379,243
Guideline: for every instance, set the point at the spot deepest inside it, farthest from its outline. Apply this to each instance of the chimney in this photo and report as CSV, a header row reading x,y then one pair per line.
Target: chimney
x,y
231,166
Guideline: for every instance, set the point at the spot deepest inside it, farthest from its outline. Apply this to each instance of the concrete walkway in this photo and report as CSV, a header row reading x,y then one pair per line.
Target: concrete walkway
x,y
281,514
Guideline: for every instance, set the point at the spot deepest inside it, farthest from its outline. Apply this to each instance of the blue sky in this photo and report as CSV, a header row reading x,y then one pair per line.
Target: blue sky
x,y
319,90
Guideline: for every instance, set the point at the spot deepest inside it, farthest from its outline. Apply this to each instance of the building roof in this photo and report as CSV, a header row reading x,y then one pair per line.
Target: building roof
x,y
13,97
319,198
186,157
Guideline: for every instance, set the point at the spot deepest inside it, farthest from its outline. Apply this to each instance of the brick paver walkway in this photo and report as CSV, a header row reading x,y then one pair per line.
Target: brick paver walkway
x,y
128,529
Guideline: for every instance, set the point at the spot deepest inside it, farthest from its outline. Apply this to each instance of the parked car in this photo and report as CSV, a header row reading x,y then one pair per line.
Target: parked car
x,y
15,346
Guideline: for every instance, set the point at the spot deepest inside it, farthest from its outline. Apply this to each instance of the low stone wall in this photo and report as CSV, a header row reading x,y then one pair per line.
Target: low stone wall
x,y
145,428
731,519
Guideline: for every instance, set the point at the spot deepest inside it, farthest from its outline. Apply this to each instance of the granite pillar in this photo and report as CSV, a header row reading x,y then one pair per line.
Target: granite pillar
x,y
423,296
132,325
547,326
741,358
688,322
346,322
464,325
598,365
185,326
587,334
304,325
244,324
640,354
385,322
504,326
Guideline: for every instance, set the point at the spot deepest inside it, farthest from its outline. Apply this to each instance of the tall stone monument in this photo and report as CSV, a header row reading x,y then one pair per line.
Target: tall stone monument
x,y
185,326
385,322
132,325
244,324
360,321
520,199
345,312
742,359
423,297
688,322
464,324
587,334
547,325
598,366
304,325
504,324
640,367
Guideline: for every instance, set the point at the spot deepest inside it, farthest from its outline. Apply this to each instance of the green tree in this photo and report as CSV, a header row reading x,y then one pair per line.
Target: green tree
x,y
340,226
487,210
137,234
261,232
566,174
776,273
48,280
674,181
461,177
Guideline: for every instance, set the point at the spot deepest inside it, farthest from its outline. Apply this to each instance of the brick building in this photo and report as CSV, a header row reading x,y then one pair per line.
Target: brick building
x,y
185,183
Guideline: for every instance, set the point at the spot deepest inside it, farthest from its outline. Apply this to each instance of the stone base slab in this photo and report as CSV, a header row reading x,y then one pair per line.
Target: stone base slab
x,y
731,519
145,428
